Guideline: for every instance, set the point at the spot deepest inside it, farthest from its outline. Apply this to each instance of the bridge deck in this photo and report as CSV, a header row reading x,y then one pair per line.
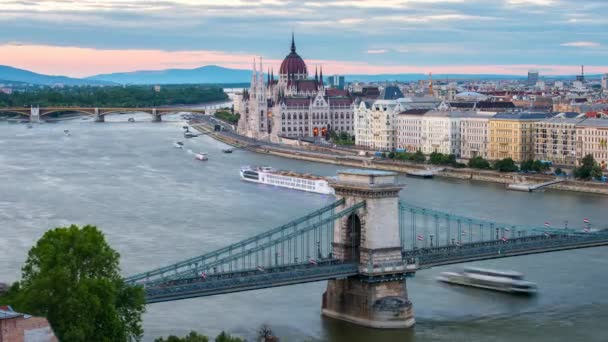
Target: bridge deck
x,y
438,256
249,280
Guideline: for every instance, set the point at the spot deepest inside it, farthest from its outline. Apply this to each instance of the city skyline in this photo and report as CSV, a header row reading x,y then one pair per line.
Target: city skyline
x,y
348,37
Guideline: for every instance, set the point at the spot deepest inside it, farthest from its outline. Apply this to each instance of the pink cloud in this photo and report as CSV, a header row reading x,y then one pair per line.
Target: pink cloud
x,y
78,62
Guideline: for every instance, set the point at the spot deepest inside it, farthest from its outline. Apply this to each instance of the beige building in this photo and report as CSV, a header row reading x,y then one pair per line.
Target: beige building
x,y
592,138
376,121
511,135
474,135
409,129
555,140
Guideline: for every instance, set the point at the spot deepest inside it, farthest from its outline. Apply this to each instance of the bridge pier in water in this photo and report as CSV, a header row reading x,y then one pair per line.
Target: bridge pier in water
x,y
156,117
35,114
99,117
377,296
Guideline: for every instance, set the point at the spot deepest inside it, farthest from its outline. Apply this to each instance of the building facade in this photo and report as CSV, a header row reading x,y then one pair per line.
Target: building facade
x,y
592,138
511,135
441,132
474,136
293,105
409,129
555,140
19,327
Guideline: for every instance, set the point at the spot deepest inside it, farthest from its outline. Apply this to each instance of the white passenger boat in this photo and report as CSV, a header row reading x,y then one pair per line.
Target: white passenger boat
x,y
201,156
286,179
178,144
504,281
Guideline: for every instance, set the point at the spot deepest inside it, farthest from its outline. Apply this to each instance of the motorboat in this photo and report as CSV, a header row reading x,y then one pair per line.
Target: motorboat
x,y
201,156
189,134
178,144
66,132
503,281
227,150
131,120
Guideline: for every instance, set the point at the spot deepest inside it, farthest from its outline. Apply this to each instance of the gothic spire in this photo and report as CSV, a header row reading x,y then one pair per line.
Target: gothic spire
x,y
321,75
316,75
293,43
268,76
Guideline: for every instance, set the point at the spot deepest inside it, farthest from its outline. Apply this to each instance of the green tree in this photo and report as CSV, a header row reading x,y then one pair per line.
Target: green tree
x,y
479,163
72,277
589,169
505,165
193,336
418,157
225,337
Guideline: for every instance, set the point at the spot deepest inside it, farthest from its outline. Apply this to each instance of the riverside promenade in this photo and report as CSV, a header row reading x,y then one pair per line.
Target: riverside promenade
x,y
349,157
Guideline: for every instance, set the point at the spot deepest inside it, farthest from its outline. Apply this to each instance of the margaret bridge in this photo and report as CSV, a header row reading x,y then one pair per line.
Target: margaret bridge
x,y
365,245
36,113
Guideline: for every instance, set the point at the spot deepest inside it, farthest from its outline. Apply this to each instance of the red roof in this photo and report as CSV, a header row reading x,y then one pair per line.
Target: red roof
x,y
335,92
340,101
293,63
296,101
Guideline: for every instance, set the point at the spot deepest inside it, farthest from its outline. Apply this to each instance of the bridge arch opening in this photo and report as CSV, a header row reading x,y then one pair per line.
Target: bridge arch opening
x,y
353,237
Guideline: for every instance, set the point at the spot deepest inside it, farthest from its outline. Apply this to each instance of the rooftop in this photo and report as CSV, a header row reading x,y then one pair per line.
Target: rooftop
x,y
594,123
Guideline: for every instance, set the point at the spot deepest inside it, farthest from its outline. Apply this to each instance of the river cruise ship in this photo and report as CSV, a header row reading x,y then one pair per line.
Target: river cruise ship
x,y
504,281
286,179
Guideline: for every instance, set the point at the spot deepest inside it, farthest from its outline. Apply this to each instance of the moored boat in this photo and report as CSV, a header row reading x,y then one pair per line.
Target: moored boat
x,y
504,281
286,179
178,144
227,150
420,174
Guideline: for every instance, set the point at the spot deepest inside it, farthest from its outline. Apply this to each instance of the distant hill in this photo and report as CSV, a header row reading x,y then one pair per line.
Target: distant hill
x,y
10,74
205,74
213,74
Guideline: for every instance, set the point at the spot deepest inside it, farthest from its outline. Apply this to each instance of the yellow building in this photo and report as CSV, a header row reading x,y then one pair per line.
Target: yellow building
x,y
512,135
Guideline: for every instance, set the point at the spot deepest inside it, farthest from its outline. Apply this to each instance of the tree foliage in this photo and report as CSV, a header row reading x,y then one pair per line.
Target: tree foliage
x,y
193,336
534,165
505,165
131,96
72,277
342,138
227,116
479,163
417,157
589,169
437,158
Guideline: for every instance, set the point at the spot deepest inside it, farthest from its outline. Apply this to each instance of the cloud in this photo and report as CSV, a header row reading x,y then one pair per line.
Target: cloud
x,y
378,51
581,44
530,2
417,32
79,62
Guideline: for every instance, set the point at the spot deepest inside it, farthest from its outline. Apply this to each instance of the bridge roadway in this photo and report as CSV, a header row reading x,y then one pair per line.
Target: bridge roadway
x,y
476,251
252,279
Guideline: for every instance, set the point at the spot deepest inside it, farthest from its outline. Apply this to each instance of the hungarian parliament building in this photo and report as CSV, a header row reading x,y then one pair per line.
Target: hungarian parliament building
x,y
294,105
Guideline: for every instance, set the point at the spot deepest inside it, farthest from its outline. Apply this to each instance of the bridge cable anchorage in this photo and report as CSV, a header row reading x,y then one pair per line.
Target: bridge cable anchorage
x,y
499,240
260,246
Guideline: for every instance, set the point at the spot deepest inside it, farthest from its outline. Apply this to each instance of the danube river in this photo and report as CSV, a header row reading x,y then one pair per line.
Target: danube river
x,y
157,205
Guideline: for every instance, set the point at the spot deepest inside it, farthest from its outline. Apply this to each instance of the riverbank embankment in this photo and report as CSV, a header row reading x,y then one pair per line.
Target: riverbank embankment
x,y
350,159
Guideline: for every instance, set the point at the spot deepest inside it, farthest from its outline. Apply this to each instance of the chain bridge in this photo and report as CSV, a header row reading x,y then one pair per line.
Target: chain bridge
x,y
365,244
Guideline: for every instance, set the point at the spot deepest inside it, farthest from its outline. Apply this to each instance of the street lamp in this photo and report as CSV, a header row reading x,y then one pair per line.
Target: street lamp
x,y
431,240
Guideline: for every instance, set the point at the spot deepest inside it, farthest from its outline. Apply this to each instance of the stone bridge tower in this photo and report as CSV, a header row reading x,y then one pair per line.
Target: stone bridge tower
x,y
377,296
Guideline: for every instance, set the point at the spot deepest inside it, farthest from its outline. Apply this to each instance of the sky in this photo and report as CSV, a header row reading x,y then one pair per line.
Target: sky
x,y
86,37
